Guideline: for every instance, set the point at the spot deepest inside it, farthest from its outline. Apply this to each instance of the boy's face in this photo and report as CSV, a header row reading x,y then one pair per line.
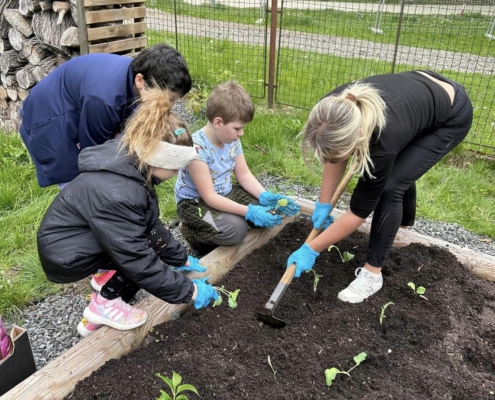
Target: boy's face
x,y
228,133
163,174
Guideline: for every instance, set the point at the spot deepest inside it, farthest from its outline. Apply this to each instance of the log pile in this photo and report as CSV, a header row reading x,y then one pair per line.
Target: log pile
x,y
30,48
36,36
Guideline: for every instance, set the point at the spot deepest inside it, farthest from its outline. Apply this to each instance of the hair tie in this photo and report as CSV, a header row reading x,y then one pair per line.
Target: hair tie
x,y
351,97
179,131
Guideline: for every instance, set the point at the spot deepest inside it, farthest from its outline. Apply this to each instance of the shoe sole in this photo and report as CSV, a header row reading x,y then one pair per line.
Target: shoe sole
x,y
83,331
95,285
96,319
352,301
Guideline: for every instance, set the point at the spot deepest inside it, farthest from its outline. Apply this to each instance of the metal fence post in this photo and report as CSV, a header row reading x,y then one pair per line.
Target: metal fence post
x,y
397,37
272,53
377,29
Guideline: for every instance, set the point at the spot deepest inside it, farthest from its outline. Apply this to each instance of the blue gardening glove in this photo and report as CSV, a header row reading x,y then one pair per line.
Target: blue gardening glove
x,y
304,258
193,266
206,293
321,215
268,199
261,216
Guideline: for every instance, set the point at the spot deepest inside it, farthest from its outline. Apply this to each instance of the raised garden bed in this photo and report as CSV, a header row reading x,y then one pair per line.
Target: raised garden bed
x,y
440,348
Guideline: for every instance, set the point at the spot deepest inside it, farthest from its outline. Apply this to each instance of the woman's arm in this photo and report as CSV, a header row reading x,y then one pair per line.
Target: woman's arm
x,y
200,175
245,177
340,229
332,174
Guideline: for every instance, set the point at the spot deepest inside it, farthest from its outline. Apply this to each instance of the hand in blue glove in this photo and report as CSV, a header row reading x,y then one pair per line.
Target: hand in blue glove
x,y
261,216
268,199
205,295
321,216
304,258
193,266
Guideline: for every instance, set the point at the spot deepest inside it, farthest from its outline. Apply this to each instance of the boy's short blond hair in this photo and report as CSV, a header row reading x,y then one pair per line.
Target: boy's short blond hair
x,y
230,101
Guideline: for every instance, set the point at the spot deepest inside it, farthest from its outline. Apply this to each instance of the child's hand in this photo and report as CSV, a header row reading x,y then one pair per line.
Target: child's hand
x,y
268,199
261,216
304,258
205,293
193,265
321,217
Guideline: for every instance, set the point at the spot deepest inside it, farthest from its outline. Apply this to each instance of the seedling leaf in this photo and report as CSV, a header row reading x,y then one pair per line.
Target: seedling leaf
x,y
360,358
347,256
330,375
412,286
181,388
384,307
282,202
167,380
232,303
200,212
420,290
182,397
176,379
218,301
164,396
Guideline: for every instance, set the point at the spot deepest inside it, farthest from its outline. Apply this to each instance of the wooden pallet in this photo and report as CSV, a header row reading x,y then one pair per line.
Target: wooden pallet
x,y
103,29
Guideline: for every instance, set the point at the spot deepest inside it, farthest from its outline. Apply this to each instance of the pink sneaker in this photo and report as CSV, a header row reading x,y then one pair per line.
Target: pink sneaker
x,y
100,278
115,313
86,328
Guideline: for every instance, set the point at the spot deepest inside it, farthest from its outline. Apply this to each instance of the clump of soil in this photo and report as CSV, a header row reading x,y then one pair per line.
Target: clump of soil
x,y
440,348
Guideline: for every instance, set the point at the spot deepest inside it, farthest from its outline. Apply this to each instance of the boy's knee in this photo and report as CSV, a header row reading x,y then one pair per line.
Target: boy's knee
x,y
232,232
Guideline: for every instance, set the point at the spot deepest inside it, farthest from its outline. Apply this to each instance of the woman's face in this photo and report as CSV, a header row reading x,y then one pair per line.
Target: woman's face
x,y
163,174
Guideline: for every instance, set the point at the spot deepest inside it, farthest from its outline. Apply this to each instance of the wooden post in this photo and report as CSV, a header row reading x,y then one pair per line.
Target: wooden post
x,y
81,25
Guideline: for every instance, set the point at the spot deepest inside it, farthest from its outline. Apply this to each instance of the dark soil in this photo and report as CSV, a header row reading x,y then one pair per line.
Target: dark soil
x,y
440,348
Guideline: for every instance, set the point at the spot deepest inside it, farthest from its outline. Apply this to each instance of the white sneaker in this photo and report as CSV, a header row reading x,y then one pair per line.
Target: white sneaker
x,y
362,287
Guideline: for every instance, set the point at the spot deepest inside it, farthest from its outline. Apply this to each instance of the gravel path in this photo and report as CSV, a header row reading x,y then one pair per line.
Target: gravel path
x,y
52,322
323,44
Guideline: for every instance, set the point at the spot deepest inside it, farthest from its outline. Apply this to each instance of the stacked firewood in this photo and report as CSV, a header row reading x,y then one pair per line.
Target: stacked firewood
x,y
35,37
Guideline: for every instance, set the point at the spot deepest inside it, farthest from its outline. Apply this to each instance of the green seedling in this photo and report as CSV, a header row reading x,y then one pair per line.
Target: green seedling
x,y
344,257
232,296
271,366
331,373
200,212
384,307
417,290
316,278
175,387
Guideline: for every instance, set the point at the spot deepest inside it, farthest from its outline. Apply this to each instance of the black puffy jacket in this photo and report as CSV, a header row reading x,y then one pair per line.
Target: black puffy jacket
x,y
102,217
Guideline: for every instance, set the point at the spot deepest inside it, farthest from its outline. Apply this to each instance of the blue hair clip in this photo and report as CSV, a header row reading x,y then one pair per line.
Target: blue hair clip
x,y
179,131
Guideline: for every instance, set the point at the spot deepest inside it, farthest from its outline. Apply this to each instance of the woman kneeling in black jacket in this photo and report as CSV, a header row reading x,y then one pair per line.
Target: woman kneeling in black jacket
x,y
108,218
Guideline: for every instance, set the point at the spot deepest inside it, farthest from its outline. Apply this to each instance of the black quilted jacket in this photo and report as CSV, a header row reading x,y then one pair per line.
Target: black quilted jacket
x,y
102,217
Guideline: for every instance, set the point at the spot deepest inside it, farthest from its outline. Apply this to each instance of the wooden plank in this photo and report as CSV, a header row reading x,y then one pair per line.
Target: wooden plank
x,y
118,45
93,17
57,379
116,31
81,26
94,3
480,264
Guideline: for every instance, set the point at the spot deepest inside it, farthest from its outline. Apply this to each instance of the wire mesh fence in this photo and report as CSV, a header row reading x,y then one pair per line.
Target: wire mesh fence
x,y
322,44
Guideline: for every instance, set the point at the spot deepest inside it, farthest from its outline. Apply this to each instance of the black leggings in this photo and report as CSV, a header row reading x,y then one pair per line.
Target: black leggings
x,y
166,247
397,205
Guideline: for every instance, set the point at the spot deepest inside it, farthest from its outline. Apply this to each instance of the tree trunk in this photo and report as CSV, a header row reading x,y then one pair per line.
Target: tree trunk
x,y
60,7
28,7
22,94
46,5
9,62
33,50
18,21
70,37
5,44
4,24
16,38
47,30
25,78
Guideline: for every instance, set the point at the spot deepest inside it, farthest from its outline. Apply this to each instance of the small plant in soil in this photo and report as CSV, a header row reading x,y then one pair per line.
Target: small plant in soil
x,y
344,257
175,387
280,203
384,307
417,290
316,277
231,296
271,366
330,374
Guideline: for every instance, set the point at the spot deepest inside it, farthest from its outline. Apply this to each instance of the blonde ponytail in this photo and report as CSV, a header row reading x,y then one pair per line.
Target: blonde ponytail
x,y
152,123
343,124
